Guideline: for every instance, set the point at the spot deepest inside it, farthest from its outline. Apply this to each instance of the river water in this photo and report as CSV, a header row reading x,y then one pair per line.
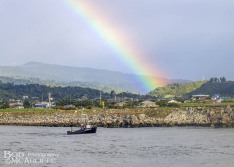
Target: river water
x,y
130,147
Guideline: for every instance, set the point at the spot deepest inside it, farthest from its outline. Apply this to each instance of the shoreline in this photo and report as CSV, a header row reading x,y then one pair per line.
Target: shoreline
x,y
129,127
221,117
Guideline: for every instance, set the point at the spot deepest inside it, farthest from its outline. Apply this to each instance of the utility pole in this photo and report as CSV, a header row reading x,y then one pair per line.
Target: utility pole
x,y
49,96
100,98
68,99
42,98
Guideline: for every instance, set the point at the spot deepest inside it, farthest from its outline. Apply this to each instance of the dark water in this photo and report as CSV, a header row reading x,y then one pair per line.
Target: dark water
x,y
177,147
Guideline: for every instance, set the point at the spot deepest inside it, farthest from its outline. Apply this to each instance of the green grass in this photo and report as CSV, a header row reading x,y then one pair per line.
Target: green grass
x,y
159,112
176,89
27,110
206,104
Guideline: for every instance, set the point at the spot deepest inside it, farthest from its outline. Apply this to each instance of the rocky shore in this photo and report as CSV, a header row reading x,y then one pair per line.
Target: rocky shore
x,y
198,116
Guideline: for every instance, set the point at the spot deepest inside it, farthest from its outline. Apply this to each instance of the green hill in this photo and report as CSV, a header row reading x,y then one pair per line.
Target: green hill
x,y
176,89
209,88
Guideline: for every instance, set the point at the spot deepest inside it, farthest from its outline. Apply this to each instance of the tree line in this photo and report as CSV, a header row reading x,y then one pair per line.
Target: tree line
x,y
36,91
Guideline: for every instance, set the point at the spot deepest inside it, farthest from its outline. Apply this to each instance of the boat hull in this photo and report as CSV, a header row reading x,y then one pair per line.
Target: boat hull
x,y
82,131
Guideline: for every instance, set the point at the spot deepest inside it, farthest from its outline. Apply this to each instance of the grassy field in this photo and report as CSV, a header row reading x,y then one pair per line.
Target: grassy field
x,y
207,104
130,110
150,112
27,110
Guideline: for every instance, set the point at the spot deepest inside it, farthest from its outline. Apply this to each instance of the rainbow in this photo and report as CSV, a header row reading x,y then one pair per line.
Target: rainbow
x,y
132,57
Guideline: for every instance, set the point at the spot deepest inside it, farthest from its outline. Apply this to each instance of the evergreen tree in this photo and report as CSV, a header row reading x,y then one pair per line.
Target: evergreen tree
x,y
27,104
223,79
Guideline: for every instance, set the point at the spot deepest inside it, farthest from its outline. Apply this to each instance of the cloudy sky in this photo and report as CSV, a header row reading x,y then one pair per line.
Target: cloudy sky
x,y
186,39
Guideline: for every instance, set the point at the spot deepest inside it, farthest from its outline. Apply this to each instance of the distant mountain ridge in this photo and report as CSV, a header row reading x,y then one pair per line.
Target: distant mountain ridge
x,y
77,76
51,83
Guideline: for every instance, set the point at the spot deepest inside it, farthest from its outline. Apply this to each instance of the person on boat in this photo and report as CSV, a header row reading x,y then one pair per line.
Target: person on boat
x,y
82,126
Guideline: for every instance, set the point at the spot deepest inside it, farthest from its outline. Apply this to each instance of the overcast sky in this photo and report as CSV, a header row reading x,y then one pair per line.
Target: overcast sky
x,y
185,39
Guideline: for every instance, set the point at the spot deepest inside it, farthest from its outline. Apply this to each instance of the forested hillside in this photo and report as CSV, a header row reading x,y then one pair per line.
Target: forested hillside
x,y
211,88
25,81
214,86
11,91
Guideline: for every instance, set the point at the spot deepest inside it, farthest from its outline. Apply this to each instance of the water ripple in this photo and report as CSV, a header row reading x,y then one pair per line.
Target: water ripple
x,y
125,147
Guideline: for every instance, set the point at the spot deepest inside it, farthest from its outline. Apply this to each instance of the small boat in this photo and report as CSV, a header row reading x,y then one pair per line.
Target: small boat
x,y
83,130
